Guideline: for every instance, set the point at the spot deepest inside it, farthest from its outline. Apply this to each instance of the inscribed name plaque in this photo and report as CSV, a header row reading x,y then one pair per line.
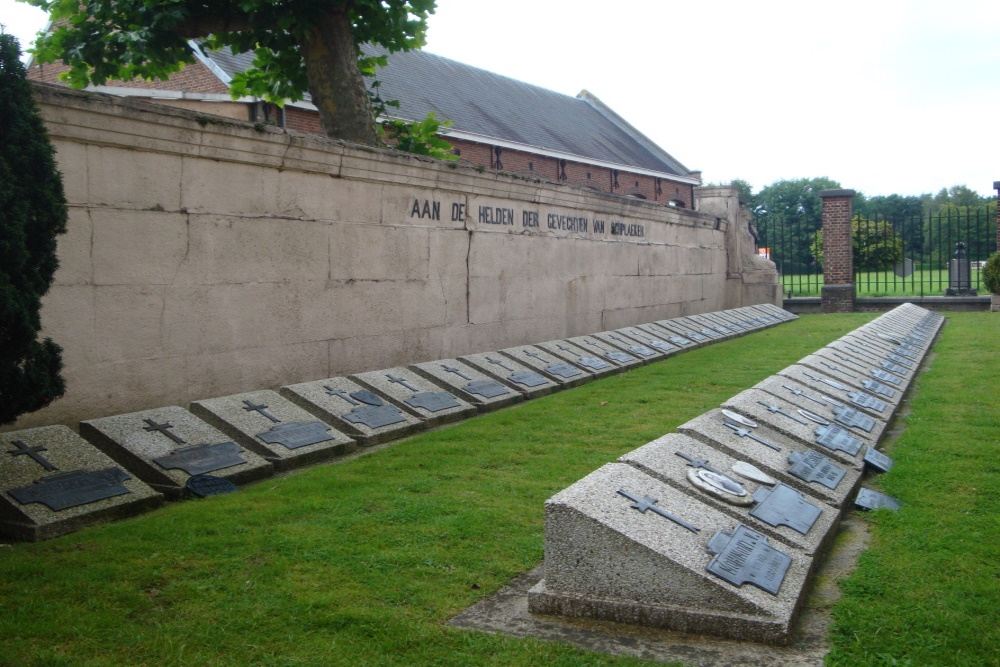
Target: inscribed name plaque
x,y
812,466
675,457
662,344
873,500
617,557
676,328
877,461
416,394
841,391
838,439
165,446
607,351
784,506
361,413
52,482
468,383
528,382
548,364
615,340
878,388
579,357
744,556
854,418
273,427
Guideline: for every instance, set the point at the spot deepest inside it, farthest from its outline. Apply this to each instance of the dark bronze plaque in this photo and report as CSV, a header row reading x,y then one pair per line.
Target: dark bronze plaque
x,y
696,336
784,506
375,416
878,388
486,388
810,466
887,377
866,401
907,352
678,341
661,345
620,357
593,363
709,333
563,370
297,434
209,485
196,459
745,557
641,349
433,401
837,438
894,368
877,460
77,487
900,361
527,378
873,500
850,417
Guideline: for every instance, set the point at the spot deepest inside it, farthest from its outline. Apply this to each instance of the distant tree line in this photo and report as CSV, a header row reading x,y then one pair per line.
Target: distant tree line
x,y
788,217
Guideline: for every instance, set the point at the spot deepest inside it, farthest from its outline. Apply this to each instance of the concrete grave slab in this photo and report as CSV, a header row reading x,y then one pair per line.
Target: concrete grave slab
x,y
788,418
597,366
840,412
274,428
630,345
696,327
724,329
53,482
722,320
369,418
873,381
660,459
606,350
417,395
665,347
485,392
656,331
875,406
776,311
905,368
525,379
551,366
697,338
166,446
773,457
606,559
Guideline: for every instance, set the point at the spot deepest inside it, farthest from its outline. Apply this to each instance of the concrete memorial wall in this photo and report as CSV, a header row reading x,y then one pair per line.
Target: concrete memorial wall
x,y
718,529
210,257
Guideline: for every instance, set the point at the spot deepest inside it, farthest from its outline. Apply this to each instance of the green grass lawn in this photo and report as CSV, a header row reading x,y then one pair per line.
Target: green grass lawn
x,y
361,563
880,283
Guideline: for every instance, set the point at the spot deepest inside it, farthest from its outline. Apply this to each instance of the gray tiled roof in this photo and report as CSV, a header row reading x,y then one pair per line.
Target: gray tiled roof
x,y
489,105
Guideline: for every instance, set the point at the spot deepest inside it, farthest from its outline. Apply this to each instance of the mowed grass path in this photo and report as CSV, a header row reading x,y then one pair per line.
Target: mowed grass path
x,y
361,563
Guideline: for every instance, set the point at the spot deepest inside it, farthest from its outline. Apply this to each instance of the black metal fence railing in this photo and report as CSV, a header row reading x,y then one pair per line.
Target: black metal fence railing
x,y
913,256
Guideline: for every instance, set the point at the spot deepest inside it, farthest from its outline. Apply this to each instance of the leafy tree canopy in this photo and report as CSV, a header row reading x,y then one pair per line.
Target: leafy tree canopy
x,y
875,245
299,46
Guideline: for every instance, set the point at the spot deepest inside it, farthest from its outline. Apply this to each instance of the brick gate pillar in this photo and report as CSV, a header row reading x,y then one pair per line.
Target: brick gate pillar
x,y
838,262
996,186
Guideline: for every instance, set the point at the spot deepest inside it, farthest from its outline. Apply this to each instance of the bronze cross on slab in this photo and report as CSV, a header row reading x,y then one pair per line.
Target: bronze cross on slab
x,y
23,448
162,428
262,409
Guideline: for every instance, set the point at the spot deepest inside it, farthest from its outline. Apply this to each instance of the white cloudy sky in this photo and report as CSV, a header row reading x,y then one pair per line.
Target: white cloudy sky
x,y
884,96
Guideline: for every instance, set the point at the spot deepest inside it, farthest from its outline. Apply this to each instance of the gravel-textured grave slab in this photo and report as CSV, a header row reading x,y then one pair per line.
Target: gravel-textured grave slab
x,y
417,395
274,428
588,362
475,387
368,418
607,559
546,363
523,378
676,458
166,446
605,350
626,343
53,482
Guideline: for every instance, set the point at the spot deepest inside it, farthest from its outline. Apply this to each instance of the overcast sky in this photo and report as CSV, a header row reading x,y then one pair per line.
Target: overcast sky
x,y
884,96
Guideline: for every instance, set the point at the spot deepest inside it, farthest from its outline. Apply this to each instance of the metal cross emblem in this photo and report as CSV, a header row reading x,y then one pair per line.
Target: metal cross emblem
x,y
535,355
835,385
401,381
777,409
23,448
339,393
745,433
833,367
262,409
647,503
452,369
799,392
499,363
697,463
162,428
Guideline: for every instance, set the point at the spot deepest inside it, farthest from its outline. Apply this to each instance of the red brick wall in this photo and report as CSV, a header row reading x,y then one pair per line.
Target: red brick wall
x,y
838,263
195,78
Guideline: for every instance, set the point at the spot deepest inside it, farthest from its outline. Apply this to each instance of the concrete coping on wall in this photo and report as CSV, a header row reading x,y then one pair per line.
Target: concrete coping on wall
x,y
843,192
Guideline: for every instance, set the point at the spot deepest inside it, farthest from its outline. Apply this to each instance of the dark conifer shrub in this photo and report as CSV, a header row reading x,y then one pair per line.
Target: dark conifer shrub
x,y
32,213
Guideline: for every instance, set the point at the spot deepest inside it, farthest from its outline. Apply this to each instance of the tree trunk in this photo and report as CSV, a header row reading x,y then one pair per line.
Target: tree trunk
x,y
335,82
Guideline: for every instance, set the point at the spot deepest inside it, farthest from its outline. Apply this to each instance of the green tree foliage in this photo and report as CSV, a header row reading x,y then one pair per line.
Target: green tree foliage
x,y
875,245
788,214
991,274
298,46
32,213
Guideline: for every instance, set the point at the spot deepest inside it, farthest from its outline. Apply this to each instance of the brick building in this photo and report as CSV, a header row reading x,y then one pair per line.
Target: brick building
x,y
498,123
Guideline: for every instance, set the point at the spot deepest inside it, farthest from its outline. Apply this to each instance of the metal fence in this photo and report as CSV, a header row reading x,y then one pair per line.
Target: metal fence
x,y
913,256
